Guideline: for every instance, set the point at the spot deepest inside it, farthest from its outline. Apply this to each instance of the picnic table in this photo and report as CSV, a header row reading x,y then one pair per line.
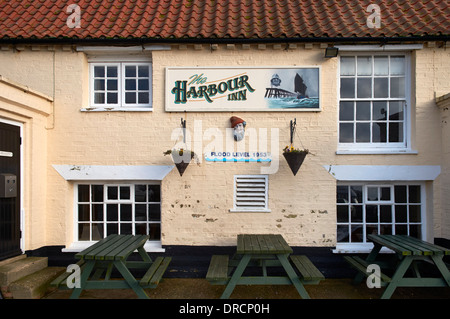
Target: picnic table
x,y
262,251
410,253
113,252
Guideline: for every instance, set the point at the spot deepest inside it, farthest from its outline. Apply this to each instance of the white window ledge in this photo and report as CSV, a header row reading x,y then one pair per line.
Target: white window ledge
x,y
384,172
75,247
117,109
250,211
352,248
375,151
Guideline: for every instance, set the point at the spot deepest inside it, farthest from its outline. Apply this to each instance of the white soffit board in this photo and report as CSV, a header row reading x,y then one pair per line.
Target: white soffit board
x,y
105,172
384,172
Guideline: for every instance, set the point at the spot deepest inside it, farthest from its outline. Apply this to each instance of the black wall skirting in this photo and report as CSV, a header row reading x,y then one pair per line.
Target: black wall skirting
x,y
193,261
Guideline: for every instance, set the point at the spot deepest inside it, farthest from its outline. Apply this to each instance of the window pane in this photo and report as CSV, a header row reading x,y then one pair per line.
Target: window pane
x,y
356,213
141,229
379,134
112,85
99,85
363,111
97,212
371,214
130,98
342,194
379,110
113,192
364,88
124,192
140,212
356,194
414,214
386,229
364,65
143,71
363,132
398,87
155,231
346,133
395,132
342,234
112,229
357,233
83,193
126,229
414,194
97,193
84,213
112,71
415,231
99,98
381,65
342,214
346,111
400,194
347,88
385,193
99,71
130,85
386,213
397,65
140,192
372,194
84,232
372,230
112,98
125,212
130,71
401,230
381,87
154,193
97,231
396,110
112,212
401,213
154,212
143,98
143,85
347,65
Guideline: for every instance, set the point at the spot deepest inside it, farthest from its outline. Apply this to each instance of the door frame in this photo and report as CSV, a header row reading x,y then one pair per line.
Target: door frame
x,y
21,190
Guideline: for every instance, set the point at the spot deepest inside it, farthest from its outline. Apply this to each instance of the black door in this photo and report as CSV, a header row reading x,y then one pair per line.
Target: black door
x,y
9,201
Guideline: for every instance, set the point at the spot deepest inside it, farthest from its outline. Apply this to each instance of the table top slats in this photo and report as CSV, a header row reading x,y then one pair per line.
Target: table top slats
x,y
262,244
92,251
407,245
125,248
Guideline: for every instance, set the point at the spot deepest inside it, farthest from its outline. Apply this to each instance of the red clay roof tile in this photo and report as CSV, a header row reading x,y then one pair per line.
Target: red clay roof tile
x,y
265,19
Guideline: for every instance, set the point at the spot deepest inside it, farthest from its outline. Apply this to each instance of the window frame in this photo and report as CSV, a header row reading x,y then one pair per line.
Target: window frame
x,y
237,208
105,201
121,105
365,246
376,147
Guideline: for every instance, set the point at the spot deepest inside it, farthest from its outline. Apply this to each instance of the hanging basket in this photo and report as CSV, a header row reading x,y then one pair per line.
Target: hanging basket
x,y
295,159
182,160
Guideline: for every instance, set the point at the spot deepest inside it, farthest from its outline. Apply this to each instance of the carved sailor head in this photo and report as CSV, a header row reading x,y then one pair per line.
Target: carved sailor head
x,y
238,126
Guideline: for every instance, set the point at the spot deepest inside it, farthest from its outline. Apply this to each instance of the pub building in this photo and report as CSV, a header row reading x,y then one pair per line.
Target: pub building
x,y
175,119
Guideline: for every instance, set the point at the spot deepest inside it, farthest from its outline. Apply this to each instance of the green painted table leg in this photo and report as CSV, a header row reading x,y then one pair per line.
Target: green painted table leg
x,y
129,278
236,276
293,276
398,275
370,259
442,268
84,277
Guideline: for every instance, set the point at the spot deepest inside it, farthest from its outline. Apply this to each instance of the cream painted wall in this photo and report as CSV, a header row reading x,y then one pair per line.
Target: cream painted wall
x,y
195,207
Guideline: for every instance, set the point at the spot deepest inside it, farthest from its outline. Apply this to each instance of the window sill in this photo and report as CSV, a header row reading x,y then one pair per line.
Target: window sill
x,y
117,109
77,246
250,211
357,249
375,151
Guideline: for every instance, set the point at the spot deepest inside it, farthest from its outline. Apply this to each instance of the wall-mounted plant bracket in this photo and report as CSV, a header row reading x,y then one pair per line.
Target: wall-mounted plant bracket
x,y
293,125
183,126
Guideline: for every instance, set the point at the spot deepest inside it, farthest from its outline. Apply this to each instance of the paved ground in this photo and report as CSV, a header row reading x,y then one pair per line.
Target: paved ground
x,y
194,288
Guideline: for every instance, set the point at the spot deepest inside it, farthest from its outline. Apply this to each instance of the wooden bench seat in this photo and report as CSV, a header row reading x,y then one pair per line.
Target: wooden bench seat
x,y
308,271
154,274
361,265
61,280
218,268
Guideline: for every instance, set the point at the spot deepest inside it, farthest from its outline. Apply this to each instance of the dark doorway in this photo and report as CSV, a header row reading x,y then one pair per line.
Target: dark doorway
x,y
10,141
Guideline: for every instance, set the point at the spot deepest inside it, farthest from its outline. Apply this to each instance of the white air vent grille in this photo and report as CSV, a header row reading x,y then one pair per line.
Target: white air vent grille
x,y
250,192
